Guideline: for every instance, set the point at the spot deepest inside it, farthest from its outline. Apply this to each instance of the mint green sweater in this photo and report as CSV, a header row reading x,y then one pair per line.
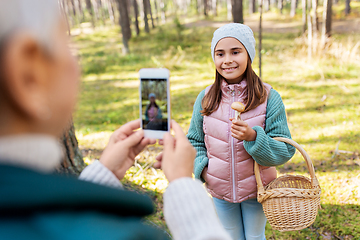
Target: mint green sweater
x,y
264,150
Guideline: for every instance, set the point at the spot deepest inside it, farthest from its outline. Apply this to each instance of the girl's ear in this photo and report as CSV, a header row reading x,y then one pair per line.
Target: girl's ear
x,y
25,77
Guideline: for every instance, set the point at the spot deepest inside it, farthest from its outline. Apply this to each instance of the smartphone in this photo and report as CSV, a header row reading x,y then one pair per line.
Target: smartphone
x,y
155,101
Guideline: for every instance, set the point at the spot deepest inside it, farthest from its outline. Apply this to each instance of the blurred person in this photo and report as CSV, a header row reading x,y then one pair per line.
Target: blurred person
x,y
38,88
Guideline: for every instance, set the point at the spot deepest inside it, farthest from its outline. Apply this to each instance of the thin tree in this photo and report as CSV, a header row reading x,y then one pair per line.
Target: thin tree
x,y
266,5
91,12
81,10
151,16
252,6
293,8
205,7
315,18
110,11
156,12
162,10
214,7
145,7
237,11
260,34
304,16
326,26
136,13
280,5
310,29
124,22
347,7
229,9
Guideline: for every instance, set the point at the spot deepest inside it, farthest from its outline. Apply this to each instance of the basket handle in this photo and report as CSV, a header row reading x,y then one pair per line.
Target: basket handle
x,y
310,166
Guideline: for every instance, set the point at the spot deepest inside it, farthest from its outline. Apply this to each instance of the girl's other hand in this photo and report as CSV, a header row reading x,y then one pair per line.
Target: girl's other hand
x,y
242,131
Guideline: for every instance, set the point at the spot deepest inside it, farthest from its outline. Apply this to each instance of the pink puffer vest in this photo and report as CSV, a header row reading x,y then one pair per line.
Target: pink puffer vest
x,y
230,174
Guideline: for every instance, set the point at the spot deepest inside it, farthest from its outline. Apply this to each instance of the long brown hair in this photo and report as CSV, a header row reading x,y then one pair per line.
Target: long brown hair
x,y
256,92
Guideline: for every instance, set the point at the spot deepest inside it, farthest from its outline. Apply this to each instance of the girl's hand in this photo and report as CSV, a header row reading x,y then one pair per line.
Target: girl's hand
x,y
242,131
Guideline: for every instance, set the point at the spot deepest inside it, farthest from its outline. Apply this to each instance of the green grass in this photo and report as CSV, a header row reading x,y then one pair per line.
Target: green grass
x,y
321,97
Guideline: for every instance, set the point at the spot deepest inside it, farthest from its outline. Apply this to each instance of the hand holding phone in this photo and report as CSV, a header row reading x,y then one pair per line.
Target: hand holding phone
x,y
154,101
177,158
124,144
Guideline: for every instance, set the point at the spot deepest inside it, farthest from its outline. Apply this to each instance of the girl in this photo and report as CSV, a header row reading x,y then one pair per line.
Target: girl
x,y
153,114
152,111
226,147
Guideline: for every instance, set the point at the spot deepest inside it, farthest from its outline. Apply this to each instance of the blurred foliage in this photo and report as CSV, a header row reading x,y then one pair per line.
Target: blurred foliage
x,y
321,96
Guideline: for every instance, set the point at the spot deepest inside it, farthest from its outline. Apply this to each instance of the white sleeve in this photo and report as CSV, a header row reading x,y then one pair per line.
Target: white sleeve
x,y
190,213
98,173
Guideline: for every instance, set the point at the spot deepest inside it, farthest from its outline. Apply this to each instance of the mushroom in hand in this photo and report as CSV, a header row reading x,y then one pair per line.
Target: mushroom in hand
x,y
239,108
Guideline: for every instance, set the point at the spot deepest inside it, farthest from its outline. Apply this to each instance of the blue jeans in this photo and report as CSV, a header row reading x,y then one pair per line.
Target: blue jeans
x,y
243,221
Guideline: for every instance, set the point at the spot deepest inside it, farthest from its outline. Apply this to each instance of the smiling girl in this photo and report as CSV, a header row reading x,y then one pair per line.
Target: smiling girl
x,y
227,147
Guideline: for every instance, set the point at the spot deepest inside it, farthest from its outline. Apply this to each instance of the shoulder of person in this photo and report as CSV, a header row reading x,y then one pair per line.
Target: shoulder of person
x,y
273,95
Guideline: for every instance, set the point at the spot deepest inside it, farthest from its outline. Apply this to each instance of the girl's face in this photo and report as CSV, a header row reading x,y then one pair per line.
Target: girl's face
x,y
231,59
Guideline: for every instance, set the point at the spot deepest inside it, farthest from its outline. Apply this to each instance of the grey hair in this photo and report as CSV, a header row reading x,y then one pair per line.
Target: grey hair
x,y
40,18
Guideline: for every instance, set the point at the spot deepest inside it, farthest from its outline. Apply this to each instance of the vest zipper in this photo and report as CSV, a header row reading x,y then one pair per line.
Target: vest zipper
x,y
232,153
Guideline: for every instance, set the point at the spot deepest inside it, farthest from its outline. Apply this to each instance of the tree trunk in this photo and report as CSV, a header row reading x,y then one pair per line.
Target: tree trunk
x,y
260,34
96,9
229,9
315,18
347,7
205,7
310,29
214,7
326,26
147,29
136,13
162,10
125,24
237,11
151,16
197,7
304,16
90,10
81,10
111,13
293,8
73,162
266,5
252,6
156,12
280,5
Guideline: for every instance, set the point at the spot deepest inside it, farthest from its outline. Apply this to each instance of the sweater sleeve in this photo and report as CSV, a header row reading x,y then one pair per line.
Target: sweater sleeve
x,y
98,173
265,150
190,213
196,137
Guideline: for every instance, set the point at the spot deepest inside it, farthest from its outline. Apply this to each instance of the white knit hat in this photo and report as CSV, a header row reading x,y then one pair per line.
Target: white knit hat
x,y
236,30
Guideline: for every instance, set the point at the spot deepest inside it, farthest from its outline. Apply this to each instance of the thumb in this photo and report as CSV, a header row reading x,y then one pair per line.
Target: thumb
x,y
133,139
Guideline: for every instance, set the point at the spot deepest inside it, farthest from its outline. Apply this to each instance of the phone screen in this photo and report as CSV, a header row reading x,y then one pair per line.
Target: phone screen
x,y
154,104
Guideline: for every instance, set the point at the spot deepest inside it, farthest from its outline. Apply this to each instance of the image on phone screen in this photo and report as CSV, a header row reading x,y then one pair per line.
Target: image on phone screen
x,y
154,104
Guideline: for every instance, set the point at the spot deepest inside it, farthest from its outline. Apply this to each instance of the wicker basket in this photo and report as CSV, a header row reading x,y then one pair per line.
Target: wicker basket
x,y
290,202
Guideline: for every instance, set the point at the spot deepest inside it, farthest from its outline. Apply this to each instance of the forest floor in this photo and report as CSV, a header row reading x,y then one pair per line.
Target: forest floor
x,y
321,96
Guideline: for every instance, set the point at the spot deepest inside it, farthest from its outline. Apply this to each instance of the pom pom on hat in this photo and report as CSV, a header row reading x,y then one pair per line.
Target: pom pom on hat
x,y
239,31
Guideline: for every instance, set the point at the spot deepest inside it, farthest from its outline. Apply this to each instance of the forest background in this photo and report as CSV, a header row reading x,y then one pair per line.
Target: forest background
x,y
308,50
